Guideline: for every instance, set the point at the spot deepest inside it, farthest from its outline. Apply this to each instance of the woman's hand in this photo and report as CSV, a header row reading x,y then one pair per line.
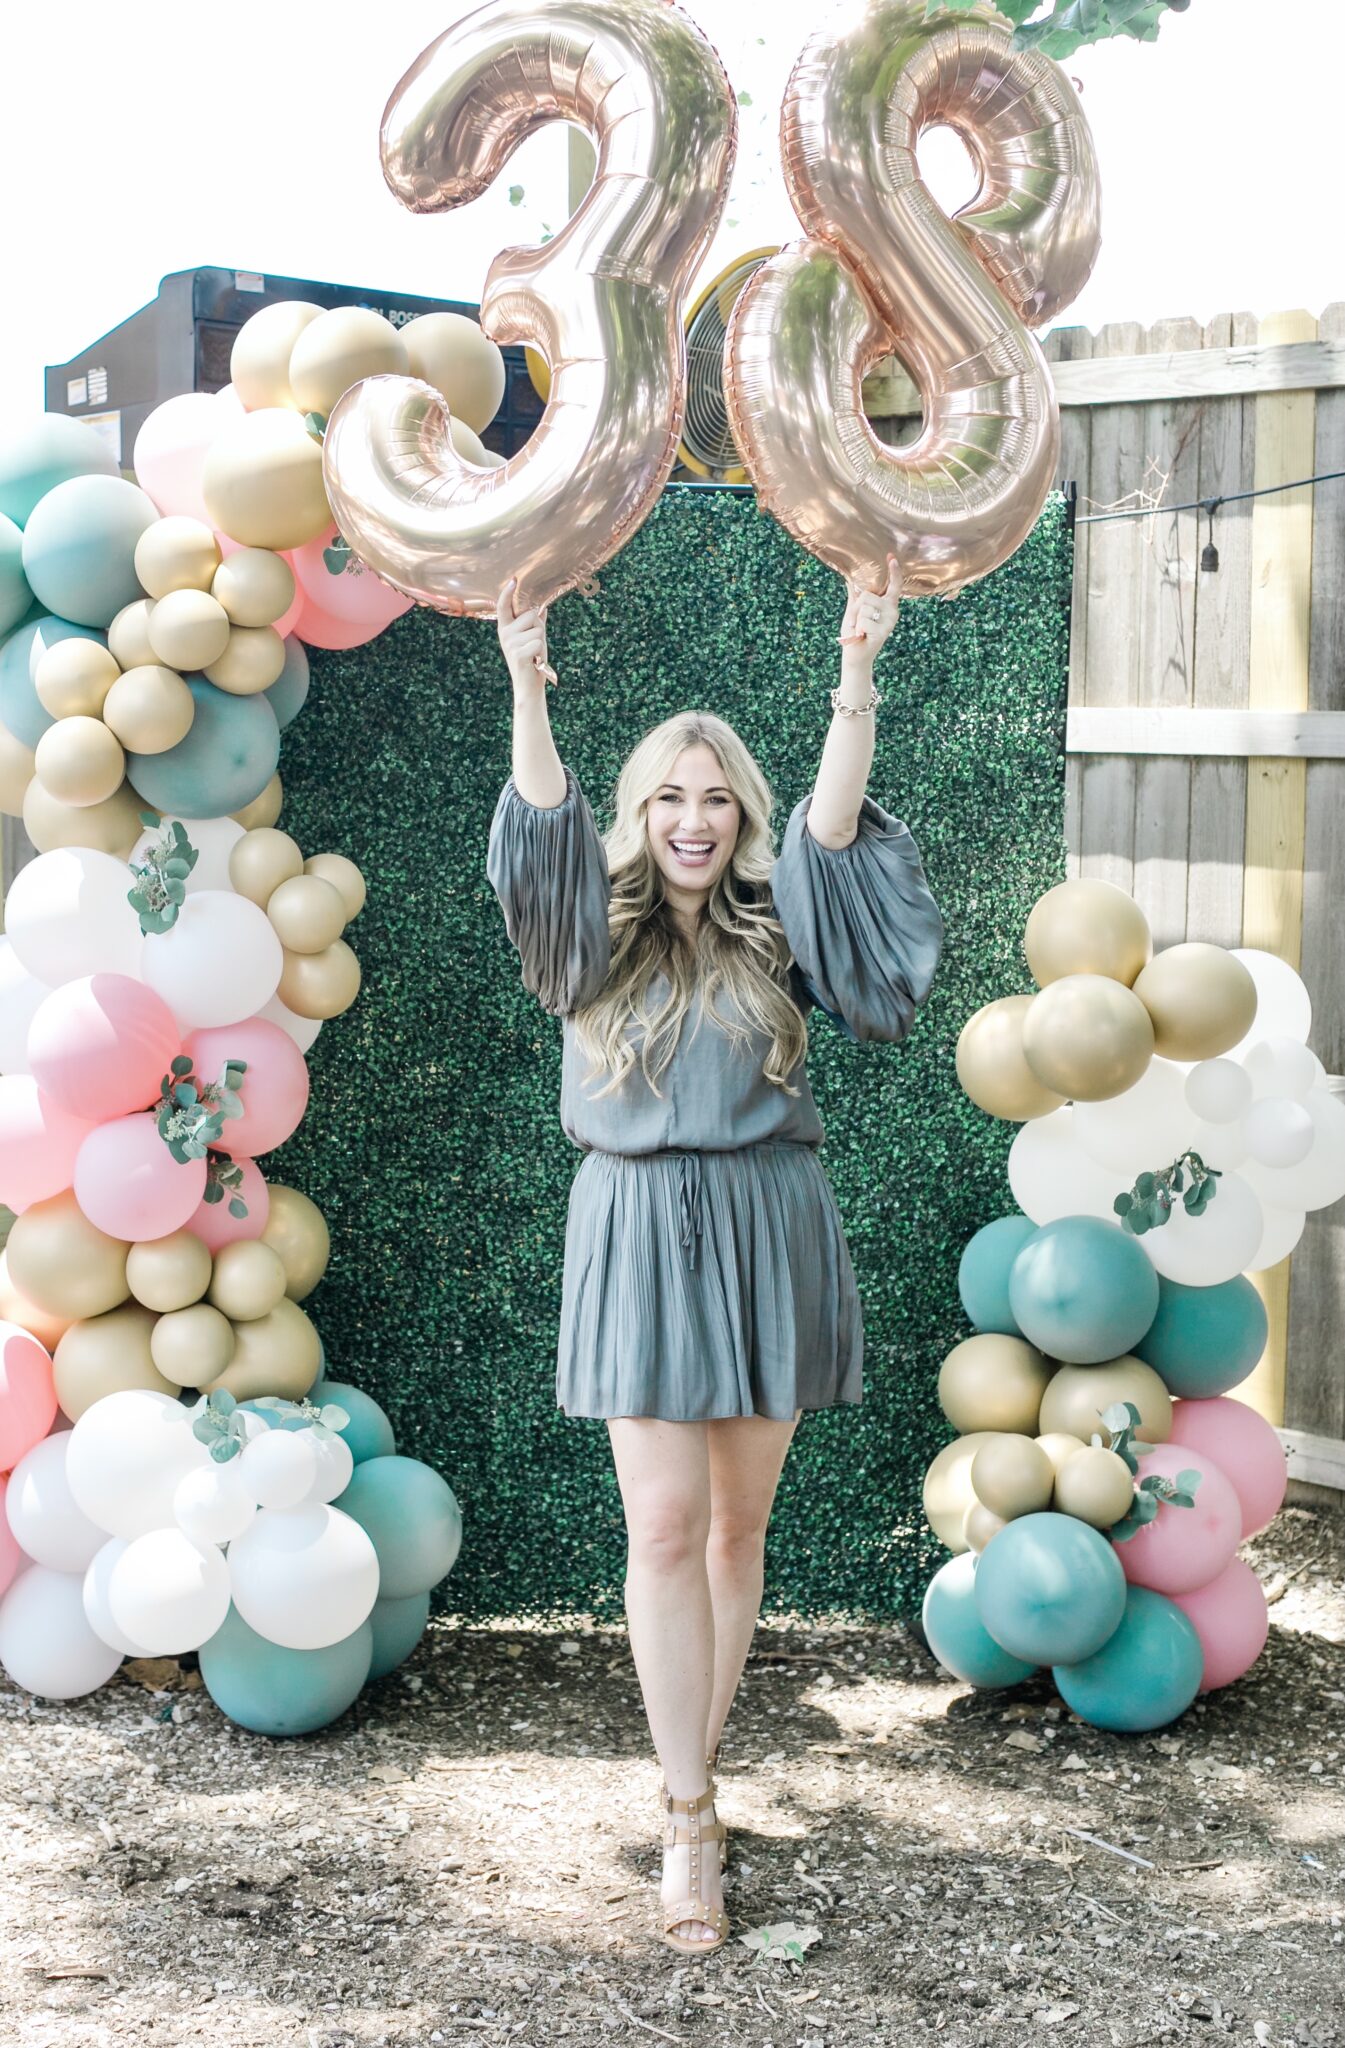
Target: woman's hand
x,y
871,616
523,641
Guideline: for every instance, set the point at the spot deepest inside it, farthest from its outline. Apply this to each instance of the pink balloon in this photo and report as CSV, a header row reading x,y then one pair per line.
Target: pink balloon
x,y
101,1046
39,1140
274,1089
11,1557
128,1183
1232,1620
170,451
213,1224
1183,1548
1246,1450
356,594
27,1394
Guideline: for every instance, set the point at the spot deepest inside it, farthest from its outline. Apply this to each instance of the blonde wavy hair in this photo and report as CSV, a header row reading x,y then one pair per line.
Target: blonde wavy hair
x,y
740,948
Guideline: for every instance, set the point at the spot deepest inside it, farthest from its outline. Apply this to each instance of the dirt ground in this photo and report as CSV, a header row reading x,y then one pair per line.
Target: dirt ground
x,y
469,1856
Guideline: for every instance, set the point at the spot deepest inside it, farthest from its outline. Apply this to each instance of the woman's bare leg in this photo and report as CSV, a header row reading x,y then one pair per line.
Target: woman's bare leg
x,y
746,1455
663,1470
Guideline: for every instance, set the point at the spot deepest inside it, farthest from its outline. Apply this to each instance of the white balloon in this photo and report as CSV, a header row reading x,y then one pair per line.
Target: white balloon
x,y
126,1455
304,1577
1283,1228
47,1521
169,1593
1278,1131
1219,1145
20,994
96,1608
303,1030
1142,1129
1202,1251
1218,1091
218,964
1319,1179
1283,1005
46,1643
335,1464
67,916
1051,1175
279,1468
1282,1066
212,1504
214,840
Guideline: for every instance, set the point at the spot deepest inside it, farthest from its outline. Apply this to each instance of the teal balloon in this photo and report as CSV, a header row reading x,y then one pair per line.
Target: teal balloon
x,y
957,1635
1083,1290
20,707
289,691
983,1274
1205,1340
368,1432
275,1691
79,547
1050,1589
48,450
1144,1676
226,759
412,1519
15,596
398,1626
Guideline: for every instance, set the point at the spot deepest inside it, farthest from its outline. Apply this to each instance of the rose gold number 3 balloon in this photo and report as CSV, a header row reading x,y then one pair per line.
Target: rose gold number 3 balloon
x,y
885,269
603,302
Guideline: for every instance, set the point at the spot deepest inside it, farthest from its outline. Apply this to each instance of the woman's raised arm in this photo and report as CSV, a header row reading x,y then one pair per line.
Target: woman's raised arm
x,y
539,776
847,755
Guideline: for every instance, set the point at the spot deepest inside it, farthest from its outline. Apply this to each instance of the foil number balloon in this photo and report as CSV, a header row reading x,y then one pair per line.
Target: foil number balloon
x,y
602,301
885,269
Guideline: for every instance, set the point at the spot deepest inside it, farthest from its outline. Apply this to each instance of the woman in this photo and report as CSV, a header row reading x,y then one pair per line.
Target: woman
x,y
708,1294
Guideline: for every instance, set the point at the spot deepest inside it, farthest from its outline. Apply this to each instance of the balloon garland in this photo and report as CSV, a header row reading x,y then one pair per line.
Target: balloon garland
x,y
178,1472
1176,1128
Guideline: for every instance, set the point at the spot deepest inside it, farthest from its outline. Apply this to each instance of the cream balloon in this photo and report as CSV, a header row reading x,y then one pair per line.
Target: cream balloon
x,y
188,629
167,1273
248,1280
337,350
320,984
63,1262
17,768
1086,927
260,363
176,553
110,827
149,709
297,1231
264,809
261,860
73,678
449,351
992,1069
308,913
79,761
978,1526
106,1354
192,1346
1095,1486
276,1353
1201,998
344,877
948,1491
128,635
1059,1448
263,481
255,586
1074,1403
1011,1475
1088,1037
251,662
993,1382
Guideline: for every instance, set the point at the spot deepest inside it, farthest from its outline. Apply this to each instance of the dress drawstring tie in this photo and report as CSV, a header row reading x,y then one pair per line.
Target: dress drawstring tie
x,y
689,1202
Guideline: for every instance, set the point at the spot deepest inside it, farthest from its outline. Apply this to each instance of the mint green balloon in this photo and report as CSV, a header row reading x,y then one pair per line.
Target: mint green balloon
x,y
15,596
289,691
368,1434
47,450
983,1274
1050,1588
1204,1340
1083,1291
21,709
957,1635
225,760
79,547
1144,1676
412,1519
398,1626
275,1691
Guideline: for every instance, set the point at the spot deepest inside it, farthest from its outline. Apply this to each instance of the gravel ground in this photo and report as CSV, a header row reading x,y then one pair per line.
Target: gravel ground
x,y
469,1856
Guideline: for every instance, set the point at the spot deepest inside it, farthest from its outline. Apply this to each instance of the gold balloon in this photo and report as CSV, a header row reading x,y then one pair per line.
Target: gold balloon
x,y
277,1353
176,554
992,1382
73,678
112,826
63,1263
1086,927
991,1066
1088,1037
264,809
251,662
338,349
450,352
297,1230
259,368
149,709
1059,1448
1077,1395
260,861
262,481
167,1273
344,877
255,586
308,914
248,1280
1097,1486
17,768
128,635
188,629
1201,1000
948,1491
320,984
17,1308
978,1526
192,1346
80,762
1011,1475
108,1354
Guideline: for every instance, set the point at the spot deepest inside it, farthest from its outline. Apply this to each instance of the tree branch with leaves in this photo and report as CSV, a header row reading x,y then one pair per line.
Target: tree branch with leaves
x,y
1060,27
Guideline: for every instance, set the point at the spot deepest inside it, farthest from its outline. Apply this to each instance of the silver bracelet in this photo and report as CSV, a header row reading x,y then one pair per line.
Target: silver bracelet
x,y
857,710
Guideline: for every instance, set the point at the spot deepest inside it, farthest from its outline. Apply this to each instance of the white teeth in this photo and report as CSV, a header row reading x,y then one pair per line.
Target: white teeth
x,y
693,846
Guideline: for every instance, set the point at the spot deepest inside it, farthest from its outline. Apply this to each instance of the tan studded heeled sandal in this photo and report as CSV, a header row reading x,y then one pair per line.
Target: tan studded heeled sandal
x,y
711,1763
685,1826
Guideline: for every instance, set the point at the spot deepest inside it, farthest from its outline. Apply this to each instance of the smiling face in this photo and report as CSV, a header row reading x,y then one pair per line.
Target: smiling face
x,y
693,821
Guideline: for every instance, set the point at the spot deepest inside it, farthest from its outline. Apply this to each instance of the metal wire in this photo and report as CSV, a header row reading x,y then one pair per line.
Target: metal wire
x,y
1210,505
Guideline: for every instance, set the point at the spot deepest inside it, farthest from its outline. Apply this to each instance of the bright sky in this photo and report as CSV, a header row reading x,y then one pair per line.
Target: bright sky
x,y
155,137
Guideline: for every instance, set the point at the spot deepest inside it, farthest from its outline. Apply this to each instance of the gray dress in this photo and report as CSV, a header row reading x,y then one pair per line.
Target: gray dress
x,y
706,1270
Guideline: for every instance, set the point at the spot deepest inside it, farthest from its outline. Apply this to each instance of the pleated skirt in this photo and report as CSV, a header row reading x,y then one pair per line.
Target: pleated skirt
x,y
700,1285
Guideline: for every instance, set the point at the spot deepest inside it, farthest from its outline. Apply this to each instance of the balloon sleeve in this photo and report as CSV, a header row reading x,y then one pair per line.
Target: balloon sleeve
x,y
549,870
861,922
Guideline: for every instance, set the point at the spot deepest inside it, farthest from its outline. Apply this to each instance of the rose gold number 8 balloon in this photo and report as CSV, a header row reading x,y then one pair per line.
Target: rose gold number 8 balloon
x,y
602,302
887,270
